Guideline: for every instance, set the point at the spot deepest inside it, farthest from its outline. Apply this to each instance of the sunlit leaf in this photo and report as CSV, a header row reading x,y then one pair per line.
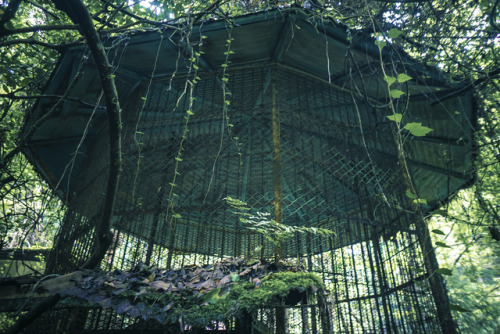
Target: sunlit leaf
x,y
403,77
396,93
390,80
420,201
417,129
396,117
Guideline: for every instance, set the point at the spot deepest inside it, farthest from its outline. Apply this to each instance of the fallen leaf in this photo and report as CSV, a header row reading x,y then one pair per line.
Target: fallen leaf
x,y
207,284
246,271
160,285
168,307
225,280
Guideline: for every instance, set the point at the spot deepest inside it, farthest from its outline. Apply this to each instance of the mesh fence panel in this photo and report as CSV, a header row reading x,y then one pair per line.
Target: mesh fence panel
x,y
325,163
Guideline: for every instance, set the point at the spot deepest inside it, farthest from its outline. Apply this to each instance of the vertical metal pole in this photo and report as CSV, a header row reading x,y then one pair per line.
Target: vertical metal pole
x,y
436,281
278,210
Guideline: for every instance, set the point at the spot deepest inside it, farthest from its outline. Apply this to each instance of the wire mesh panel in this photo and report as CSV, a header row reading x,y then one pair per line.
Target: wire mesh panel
x,y
179,171
188,147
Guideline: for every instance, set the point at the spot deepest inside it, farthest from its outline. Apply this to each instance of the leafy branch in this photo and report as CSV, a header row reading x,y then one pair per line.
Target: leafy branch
x,y
274,232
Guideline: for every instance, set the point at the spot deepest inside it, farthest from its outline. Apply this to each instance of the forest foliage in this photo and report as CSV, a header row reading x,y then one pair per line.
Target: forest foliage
x,y
460,37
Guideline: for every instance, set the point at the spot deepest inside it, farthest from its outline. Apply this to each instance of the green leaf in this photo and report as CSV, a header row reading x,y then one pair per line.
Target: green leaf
x,y
442,244
411,195
417,129
110,76
396,117
440,212
396,93
455,307
444,271
176,216
403,78
189,112
394,33
420,201
213,296
380,44
438,232
390,80
235,277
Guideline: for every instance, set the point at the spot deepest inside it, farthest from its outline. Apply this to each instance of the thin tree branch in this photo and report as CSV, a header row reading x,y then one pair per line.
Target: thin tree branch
x,y
79,14
8,32
32,41
6,110
126,12
111,17
43,10
12,153
32,97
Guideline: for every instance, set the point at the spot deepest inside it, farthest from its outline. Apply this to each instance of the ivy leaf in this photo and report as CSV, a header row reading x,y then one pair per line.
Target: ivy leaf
x,y
394,33
390,80
396,93
403,77
417,129
396,117
444,271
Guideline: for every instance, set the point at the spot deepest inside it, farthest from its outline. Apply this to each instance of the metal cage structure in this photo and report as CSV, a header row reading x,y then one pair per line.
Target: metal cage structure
x,y
289,114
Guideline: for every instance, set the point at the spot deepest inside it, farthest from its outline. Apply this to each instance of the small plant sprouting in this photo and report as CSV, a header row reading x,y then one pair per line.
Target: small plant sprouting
x,y
275,232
